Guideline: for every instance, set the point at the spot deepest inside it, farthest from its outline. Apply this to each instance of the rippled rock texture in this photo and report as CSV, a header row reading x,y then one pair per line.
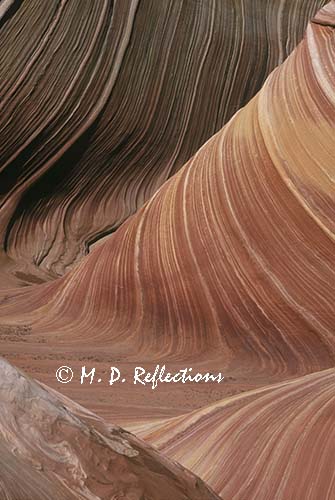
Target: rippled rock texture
x,y
235,253
228,265
275,442
102,102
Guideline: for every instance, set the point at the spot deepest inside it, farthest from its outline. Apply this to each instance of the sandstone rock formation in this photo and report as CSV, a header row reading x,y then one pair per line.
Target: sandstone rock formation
x,y
101,103
58,450
235,253
228,265
276,442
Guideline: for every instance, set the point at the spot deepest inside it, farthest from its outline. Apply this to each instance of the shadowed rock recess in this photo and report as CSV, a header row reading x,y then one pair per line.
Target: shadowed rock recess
x,y
187,147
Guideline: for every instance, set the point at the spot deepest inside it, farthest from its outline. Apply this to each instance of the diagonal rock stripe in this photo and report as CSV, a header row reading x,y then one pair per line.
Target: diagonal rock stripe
x,y
275,442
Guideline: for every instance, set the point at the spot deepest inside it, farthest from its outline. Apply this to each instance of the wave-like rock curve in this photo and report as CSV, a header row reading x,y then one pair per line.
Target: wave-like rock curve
x,y
276,442
59,450
232,255
100,107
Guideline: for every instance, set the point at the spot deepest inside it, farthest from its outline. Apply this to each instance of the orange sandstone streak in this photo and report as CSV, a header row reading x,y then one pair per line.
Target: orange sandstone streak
x,y
277,442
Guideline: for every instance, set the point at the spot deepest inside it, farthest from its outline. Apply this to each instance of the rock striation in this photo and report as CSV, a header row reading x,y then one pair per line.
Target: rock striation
x,y
276,442
99,107
234,254
222,255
